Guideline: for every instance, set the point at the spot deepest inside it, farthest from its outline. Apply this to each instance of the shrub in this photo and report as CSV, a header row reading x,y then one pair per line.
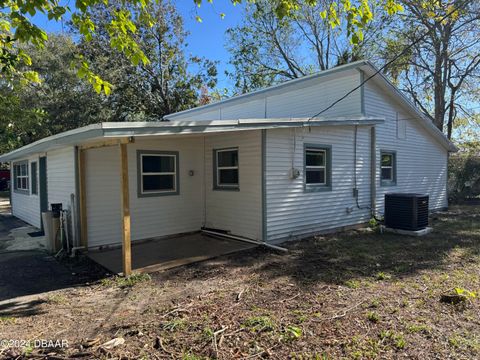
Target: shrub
x,y
464,177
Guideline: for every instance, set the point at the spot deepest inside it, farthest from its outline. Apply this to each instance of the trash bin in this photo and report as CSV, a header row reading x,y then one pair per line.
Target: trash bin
x,y
51,227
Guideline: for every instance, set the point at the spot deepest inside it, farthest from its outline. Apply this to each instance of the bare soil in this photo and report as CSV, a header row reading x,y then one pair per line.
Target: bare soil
x,y
358,294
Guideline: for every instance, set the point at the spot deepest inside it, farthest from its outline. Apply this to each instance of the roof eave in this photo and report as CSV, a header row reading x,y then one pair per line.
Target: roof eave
x,y
126,129
425,121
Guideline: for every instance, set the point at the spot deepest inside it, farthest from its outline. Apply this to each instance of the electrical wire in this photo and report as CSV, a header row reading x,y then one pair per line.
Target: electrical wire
x,y
388,63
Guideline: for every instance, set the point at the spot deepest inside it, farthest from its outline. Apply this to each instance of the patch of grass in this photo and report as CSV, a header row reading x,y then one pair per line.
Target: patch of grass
x,y
174,325
292,333
397,340
373,317
419,328
191,356
124,282
363,348
352,284
465,341
259,323
383,276
300,315
207,334
7,320
375,304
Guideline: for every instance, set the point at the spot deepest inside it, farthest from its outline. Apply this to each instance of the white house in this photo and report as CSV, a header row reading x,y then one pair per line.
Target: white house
x,y
260,166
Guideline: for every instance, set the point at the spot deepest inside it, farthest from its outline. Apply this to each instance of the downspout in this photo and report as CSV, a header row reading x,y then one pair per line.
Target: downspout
x,y
373,171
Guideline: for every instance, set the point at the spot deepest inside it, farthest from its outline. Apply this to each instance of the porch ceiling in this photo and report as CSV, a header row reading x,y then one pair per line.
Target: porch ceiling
x,y
161,254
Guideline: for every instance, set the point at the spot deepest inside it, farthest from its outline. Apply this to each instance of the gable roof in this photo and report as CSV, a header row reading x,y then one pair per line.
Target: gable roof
x,y
363,65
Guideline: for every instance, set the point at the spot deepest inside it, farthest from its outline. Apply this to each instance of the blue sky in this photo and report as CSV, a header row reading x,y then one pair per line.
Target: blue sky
x,y
206,38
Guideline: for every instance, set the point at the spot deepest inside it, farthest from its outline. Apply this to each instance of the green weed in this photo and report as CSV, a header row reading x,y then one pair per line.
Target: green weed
x,y
259,323
373,317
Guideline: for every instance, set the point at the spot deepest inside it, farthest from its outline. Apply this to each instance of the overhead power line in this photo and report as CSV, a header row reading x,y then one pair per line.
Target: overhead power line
x,y
388,63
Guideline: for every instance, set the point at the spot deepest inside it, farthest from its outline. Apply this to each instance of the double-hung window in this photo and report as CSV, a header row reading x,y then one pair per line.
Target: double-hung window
x,y
226,169
158,173
388,168
20,177
317,167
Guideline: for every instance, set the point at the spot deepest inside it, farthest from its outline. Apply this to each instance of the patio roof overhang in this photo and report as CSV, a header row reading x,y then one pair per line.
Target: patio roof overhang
x,y
118,130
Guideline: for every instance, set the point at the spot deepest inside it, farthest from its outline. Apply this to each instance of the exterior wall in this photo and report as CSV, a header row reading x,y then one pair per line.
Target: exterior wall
x,y
26,206
150,216
421,160
291,211
239,212
303,99
196,205
61,176
169,214
102,184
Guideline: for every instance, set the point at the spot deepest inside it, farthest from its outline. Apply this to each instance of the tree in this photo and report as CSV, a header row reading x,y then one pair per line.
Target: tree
x,y
19,124
439,72
59,102
148,91
266,49
16,27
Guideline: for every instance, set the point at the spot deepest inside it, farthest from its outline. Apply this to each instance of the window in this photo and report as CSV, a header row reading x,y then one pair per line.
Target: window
x,y
20,177
33,171
158,173
388,167
226,175
317,167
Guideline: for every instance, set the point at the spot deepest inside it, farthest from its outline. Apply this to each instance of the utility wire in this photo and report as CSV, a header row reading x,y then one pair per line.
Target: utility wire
x,y
388,63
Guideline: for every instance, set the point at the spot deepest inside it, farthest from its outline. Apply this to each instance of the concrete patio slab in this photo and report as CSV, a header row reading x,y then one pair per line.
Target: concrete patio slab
x,y
161,254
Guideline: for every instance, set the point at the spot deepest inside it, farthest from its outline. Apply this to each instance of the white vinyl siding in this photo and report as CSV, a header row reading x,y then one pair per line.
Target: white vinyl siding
x,y
292,212
421,162
150,216
61,179
102,185
61,176
303,99
26,206
239,212
168,215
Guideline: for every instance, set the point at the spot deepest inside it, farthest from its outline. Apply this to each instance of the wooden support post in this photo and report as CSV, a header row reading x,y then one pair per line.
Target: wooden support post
x,y
126,235
82,198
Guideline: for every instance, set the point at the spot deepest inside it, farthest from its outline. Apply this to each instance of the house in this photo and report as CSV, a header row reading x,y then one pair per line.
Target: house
x,y
259,166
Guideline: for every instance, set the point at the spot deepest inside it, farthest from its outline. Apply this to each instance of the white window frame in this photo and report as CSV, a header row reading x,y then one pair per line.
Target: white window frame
x,y
218,184
392,168
316,167
18,176
174,173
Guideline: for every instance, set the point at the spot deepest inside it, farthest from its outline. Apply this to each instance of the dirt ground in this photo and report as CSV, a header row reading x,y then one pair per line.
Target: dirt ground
x,y
358,294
